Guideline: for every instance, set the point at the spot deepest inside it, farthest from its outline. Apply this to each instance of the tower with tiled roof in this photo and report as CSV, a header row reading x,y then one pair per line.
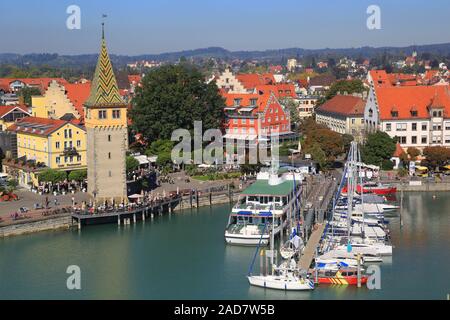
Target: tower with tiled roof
x,y
107,135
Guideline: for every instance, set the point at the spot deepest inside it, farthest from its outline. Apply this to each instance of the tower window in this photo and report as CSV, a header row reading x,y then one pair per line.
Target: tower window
x,y
109,155
110,173
116,114
109,137
102,114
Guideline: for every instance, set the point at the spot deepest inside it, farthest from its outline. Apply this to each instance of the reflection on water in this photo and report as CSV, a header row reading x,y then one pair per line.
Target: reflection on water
x,y
185,257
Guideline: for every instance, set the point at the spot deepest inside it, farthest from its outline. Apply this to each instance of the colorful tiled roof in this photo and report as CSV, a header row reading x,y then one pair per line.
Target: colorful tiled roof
x,y
104,90
251,80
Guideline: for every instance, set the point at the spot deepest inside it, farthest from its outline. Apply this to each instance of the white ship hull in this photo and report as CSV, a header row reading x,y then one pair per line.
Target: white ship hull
x,y
246,240
281,283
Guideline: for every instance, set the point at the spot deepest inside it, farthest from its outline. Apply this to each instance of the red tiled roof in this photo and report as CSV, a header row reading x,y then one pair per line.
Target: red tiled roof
x,y
251,80
343,105
37,126
417,98
7,109
134,79
261,102
41,83
398,151
279,89
78,94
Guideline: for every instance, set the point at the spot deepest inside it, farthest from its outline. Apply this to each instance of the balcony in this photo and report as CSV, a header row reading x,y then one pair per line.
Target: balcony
x,y
70,152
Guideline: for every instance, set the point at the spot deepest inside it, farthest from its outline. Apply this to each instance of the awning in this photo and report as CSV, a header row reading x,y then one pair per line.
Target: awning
x,y
142,159
135,196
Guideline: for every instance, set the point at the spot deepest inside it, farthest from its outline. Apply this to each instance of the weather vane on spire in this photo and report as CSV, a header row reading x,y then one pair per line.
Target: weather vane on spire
x,y
103,25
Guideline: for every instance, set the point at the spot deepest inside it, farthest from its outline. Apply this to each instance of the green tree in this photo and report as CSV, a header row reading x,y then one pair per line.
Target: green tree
x,y
78,175
52,175
27,92
349,86
379,147
318,155
173,97
131,163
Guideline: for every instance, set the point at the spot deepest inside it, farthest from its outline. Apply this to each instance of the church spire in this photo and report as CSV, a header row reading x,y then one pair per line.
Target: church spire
x,y
104,89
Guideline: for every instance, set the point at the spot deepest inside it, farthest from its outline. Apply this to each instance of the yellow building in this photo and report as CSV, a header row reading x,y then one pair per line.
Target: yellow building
x,y
60,99
48,143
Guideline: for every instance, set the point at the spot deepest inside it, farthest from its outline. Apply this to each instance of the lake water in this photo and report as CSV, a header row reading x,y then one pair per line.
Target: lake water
x,y
185,257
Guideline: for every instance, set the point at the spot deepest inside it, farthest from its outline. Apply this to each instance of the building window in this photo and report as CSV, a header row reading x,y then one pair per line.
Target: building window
x,y
109,155
436,139
109,137
78,143
401,126
424,127
253,102
414,139
57,145
58,160
414,126
447,139
424,140
244,121
252,121
78,158
237,102
401,140
116,114
102,114
413,113
437,127
67,133
388,127
235,121
109,173
447,126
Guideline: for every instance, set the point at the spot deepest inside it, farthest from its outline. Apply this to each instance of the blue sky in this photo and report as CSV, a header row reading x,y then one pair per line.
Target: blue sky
x,y
155,26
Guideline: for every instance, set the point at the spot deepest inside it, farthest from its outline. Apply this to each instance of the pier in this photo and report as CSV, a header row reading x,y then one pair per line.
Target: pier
x,y
317,206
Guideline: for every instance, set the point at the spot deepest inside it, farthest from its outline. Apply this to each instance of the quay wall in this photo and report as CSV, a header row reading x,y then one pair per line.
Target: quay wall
x,y
62,222
25,227
424,187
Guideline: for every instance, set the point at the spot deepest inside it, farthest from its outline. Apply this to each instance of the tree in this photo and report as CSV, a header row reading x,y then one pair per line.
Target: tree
x,y
349,86
318,155
413,153
379,147
173,97
346,140
53,176
131,163
293,110
78,175
27,92
436,156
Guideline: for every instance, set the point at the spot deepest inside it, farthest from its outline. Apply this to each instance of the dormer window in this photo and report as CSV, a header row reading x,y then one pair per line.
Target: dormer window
x,y
253,102
394,112
237,102
413,111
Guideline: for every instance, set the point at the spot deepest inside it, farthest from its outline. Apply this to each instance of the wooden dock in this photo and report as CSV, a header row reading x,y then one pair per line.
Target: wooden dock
x,y
321,198
124,216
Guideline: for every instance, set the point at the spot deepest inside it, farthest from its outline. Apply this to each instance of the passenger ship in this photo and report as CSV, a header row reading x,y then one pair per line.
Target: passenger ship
x,y
264,207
